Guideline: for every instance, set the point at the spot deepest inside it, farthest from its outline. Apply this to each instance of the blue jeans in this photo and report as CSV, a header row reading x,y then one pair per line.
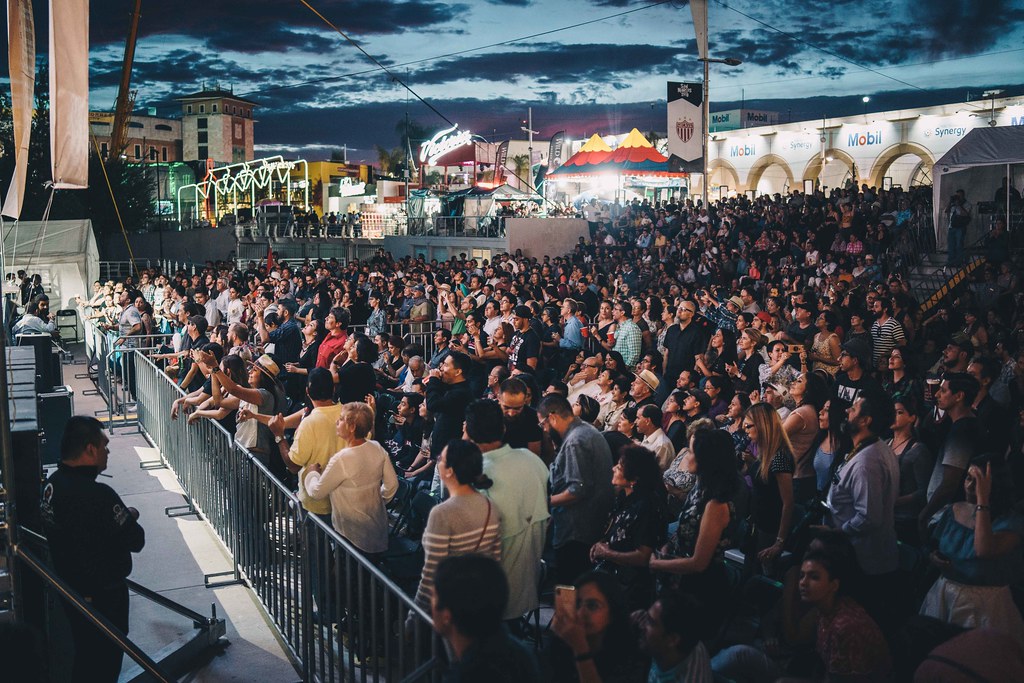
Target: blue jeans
x,y
955,246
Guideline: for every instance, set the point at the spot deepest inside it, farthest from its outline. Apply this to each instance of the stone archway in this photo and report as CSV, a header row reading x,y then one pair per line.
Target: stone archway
x,y
813,170
726,169
762,164
885,158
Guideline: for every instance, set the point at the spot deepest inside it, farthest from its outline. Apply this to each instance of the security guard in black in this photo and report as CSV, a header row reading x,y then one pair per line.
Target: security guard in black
x,y
92,535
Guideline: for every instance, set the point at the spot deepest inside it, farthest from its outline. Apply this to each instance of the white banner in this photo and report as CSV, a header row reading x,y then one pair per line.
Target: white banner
x,y
685,126
699,8
21,53
69,93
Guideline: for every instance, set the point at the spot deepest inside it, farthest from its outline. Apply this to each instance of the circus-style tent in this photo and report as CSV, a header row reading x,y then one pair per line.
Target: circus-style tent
x,y
635,156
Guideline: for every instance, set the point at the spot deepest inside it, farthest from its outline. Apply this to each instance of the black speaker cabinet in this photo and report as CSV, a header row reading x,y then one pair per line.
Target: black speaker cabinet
x,y
55,409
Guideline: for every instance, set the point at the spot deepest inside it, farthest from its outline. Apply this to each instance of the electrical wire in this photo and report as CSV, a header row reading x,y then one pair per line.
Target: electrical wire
x,y
479,48
809,44
409,90
891,66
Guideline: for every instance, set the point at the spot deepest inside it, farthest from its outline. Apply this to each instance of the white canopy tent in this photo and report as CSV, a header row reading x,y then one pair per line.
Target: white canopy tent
x,y
977,165
64,253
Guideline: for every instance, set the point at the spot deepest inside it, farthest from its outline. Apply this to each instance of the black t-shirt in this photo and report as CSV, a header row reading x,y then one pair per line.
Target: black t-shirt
x,y
524,345
682,346
524,429
848,390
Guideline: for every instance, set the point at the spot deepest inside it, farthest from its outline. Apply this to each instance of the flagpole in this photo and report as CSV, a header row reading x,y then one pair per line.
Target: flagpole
x,y
704,127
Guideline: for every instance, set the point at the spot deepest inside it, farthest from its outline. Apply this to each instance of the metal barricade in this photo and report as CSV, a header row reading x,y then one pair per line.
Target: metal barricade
x,y
382,634
337,612
117,376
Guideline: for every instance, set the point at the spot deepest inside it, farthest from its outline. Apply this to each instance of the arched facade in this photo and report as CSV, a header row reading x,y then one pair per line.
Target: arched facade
x,y
813,169
891,154
758,169
727,169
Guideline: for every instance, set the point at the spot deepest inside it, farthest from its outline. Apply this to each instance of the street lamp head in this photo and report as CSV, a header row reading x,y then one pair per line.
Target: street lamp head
x,y
732,61
865,99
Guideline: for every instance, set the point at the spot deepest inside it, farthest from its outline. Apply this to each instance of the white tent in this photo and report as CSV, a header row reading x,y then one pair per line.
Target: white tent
x,y
64,253
977,164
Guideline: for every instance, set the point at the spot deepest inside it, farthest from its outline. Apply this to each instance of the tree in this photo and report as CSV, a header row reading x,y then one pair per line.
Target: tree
x,y
521,164
134,192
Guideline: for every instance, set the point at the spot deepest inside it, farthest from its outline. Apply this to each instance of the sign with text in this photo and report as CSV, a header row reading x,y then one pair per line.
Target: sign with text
x,y
685,126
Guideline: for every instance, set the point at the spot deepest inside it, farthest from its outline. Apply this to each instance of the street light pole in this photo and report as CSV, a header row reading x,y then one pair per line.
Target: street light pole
x,y
706,132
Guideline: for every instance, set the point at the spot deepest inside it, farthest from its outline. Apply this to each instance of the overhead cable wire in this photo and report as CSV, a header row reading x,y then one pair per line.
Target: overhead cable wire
x,y
469,50
811,45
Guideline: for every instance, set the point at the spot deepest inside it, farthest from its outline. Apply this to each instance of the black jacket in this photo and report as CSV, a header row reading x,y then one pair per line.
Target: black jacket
x,y
448,404
91,532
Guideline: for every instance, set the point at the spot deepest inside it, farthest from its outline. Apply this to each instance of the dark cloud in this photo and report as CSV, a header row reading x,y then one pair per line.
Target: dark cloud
x,y
961,26
595,64
265,25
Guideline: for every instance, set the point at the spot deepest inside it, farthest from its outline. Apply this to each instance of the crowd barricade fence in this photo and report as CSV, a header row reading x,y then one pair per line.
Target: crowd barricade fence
x,y
340,616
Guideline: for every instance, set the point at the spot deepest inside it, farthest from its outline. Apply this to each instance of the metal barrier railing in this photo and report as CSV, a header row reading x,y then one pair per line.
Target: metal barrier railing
x,y
306,576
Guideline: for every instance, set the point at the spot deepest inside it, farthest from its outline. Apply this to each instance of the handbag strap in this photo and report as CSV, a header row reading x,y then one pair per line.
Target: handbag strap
x,y
487,521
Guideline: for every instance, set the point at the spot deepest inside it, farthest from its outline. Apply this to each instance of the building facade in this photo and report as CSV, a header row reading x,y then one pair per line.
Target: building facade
x,y
881,149
150,138
217,125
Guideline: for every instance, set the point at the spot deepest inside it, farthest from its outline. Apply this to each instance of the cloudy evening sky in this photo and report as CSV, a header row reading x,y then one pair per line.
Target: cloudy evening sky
x,y
483,62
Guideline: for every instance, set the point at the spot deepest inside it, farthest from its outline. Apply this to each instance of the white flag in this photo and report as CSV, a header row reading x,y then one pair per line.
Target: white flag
x,y
69,93
699,8
686,126
21,53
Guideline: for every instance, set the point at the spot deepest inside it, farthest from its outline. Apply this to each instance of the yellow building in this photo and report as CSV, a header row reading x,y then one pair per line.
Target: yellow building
x,y
332,179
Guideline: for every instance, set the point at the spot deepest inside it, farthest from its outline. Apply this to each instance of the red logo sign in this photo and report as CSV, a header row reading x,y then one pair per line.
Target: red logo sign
x,y
684,129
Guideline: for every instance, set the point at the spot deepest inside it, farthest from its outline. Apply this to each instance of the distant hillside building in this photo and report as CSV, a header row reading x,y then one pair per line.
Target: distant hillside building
x,y
217,124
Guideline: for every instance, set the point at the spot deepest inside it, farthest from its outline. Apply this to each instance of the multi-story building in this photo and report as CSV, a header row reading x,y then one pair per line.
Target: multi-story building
x,y
150,137
217,124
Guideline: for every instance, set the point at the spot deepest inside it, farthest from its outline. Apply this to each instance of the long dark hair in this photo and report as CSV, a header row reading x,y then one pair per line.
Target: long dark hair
x,y
715,455
640,466
617,643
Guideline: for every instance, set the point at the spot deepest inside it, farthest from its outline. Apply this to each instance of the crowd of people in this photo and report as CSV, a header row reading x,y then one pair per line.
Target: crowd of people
x,y
725,444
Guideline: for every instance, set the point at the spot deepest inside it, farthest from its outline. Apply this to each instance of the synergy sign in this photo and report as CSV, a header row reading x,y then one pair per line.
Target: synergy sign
x,y
443,142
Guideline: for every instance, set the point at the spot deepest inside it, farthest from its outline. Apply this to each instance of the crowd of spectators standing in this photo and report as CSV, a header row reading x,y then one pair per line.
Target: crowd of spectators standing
x,y
736,436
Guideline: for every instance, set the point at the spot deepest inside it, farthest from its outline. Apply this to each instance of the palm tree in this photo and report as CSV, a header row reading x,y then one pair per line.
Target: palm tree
x,y
392,162
521,163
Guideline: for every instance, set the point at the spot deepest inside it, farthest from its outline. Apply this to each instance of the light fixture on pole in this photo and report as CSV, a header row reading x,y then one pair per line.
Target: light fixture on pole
x,y
528,129
728,61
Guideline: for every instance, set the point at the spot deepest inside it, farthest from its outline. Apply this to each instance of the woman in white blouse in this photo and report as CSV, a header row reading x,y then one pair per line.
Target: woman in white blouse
x,y
360,480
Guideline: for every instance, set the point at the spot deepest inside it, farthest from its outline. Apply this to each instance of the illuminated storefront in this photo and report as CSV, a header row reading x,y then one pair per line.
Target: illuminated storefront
x,y
881,149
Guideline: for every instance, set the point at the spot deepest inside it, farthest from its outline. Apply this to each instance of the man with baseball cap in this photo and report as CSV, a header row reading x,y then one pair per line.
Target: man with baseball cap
x,y
524,347
854,376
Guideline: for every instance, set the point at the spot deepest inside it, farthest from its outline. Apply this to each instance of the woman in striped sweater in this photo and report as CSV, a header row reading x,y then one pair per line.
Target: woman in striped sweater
x,y
465,523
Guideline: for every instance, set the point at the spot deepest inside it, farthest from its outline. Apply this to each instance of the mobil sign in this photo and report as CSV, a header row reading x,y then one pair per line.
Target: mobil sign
x,y
864,138
742,149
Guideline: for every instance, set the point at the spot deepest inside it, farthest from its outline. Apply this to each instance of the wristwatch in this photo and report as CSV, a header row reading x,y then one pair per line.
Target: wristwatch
x,y
278,439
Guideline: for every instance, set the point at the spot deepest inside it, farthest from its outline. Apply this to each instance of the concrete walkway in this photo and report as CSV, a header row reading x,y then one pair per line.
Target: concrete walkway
x,y
179,552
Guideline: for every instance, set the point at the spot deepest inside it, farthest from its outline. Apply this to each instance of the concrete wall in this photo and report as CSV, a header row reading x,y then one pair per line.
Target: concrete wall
x,y
186,245
535,236
442,248
540,236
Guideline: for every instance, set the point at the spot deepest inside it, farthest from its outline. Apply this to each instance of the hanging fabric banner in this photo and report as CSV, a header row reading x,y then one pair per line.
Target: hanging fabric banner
x,y
699,9
685,126
555,150
21,53
500,157
69,93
